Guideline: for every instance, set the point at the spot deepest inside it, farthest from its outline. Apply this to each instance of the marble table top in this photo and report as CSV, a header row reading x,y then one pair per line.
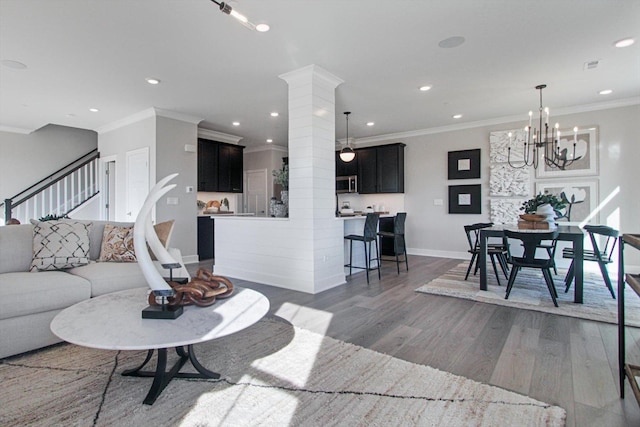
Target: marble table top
x,y
114,321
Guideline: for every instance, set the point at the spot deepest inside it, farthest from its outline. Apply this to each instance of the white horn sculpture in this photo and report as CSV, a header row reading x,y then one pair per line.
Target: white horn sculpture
x,y
143,232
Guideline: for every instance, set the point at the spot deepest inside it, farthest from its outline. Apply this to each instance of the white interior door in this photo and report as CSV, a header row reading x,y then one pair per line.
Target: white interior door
x,y
137,181
255,192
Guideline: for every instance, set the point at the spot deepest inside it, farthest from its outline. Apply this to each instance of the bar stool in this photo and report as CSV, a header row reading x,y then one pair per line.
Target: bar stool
x,y
399,244
369,235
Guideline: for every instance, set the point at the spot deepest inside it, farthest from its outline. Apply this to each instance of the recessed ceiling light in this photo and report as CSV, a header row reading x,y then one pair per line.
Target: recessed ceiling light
x,y
263,28
606,92
16,65
236,123
152,81
457,116
370,123
624,42
93,110
269,141
425,88
275,114
451,42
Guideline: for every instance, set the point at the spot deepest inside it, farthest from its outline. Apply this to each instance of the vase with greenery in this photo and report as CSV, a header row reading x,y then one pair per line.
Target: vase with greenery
x,y
531,206
281,176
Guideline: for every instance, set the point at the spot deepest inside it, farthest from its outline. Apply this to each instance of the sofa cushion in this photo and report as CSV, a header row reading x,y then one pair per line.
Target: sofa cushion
x,y
26,293
60,244
16,248
106,277
117,244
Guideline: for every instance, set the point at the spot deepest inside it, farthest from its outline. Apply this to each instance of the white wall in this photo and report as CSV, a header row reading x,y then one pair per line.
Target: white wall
x,y
432,231
116,143
269,159
171,137
26,159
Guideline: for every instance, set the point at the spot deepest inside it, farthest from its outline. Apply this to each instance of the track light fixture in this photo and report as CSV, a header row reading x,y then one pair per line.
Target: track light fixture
x,y
225,8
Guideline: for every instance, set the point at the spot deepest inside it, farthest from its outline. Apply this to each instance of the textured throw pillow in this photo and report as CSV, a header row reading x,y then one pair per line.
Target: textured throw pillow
x,y
117,244
60,244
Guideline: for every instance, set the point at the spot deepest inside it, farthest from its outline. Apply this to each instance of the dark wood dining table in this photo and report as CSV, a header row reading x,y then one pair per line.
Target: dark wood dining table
x,y
568,233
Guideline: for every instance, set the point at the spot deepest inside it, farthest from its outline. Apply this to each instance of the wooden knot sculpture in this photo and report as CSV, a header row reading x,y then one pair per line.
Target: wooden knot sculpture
x,y
202,290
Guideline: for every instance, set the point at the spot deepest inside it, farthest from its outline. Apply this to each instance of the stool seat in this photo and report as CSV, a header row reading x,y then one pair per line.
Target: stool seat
x,y
368,236
399,243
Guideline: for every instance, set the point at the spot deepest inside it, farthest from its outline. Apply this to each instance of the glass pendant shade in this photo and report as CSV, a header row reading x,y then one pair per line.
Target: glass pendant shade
x,y
347,154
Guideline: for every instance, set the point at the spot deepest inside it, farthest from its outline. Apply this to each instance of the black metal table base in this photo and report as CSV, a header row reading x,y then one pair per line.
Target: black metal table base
x,y
161,377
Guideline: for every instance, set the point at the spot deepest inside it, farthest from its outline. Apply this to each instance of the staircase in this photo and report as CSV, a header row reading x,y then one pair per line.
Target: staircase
x,y
59,193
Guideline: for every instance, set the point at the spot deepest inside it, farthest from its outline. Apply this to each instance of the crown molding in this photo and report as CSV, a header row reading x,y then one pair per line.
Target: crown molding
x,y
15,130
129,120
177,116
218,136
275,148
626,102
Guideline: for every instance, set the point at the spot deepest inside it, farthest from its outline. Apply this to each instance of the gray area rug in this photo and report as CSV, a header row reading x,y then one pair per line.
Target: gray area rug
x,y
530,293
273,374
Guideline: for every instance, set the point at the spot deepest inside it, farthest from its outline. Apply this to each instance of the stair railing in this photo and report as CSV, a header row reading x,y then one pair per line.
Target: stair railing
x,y
59,193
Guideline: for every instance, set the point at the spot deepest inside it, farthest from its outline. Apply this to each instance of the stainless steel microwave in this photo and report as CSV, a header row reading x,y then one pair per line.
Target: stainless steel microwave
x,y
347,184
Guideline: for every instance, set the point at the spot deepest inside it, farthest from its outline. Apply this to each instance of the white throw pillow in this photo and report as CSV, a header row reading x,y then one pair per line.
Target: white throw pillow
x,y
60,244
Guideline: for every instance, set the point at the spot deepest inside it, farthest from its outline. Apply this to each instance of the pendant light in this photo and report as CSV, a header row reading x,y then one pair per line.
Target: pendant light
x,y
347,154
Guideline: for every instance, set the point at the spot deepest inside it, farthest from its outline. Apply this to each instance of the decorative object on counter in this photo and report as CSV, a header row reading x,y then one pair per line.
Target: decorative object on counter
x,y
279,209
346,208
213,206
201,205
224,204
281,177
347,154
464,164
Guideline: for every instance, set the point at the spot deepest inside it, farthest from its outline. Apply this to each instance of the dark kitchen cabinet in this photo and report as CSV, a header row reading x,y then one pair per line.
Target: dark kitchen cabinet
x,y
220,166
205,238
381,169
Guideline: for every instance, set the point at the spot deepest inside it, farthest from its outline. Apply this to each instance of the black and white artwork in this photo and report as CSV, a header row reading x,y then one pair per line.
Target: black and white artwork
x,y
465,199
464,164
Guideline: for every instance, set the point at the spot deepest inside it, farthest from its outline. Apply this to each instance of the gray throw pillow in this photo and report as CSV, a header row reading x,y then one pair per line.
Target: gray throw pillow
x,y
60,244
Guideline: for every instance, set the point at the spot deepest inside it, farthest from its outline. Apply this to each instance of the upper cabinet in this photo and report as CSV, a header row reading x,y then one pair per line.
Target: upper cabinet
x,y
220,166
381,169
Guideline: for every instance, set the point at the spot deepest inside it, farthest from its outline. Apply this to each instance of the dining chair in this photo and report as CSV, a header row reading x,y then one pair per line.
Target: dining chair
x,y
601,256
530,242
368,236
399,243
494,250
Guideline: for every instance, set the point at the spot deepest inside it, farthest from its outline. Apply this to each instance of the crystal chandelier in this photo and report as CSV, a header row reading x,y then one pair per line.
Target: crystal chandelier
x,y
543,143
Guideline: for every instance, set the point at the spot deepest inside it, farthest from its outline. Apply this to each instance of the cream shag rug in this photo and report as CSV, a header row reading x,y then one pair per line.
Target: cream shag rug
x,y
273,374
530,293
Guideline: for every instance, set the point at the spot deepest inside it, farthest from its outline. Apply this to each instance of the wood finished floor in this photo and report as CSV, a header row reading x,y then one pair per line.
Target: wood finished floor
x,y
564,361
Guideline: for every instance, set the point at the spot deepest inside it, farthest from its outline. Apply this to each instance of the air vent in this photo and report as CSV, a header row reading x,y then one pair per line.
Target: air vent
x,y
591,65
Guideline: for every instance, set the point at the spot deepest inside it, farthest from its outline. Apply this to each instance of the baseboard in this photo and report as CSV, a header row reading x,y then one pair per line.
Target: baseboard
x,y
438,254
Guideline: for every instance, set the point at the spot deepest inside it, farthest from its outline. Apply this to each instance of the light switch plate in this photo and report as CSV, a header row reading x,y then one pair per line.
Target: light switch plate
x,y
438,202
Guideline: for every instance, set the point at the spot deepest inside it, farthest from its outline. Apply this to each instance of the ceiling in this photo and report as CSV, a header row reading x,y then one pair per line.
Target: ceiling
x,y
83,54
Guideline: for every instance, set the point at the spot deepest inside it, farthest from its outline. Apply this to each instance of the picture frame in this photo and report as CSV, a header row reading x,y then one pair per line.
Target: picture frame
x,y
583,194
465,199
463,164
586,140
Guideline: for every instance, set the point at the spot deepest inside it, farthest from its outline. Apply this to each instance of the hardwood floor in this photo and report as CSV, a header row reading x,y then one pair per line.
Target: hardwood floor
x,y
565,361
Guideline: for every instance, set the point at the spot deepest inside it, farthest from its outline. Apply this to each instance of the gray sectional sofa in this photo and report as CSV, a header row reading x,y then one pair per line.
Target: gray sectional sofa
x,y
30,300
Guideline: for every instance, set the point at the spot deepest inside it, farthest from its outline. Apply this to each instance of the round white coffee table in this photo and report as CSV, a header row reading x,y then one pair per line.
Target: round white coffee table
x,y
114,322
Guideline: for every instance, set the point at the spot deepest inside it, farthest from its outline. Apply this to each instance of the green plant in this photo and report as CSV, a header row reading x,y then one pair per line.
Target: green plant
x,y
531,206
201,204
281,176
53,217
225,202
